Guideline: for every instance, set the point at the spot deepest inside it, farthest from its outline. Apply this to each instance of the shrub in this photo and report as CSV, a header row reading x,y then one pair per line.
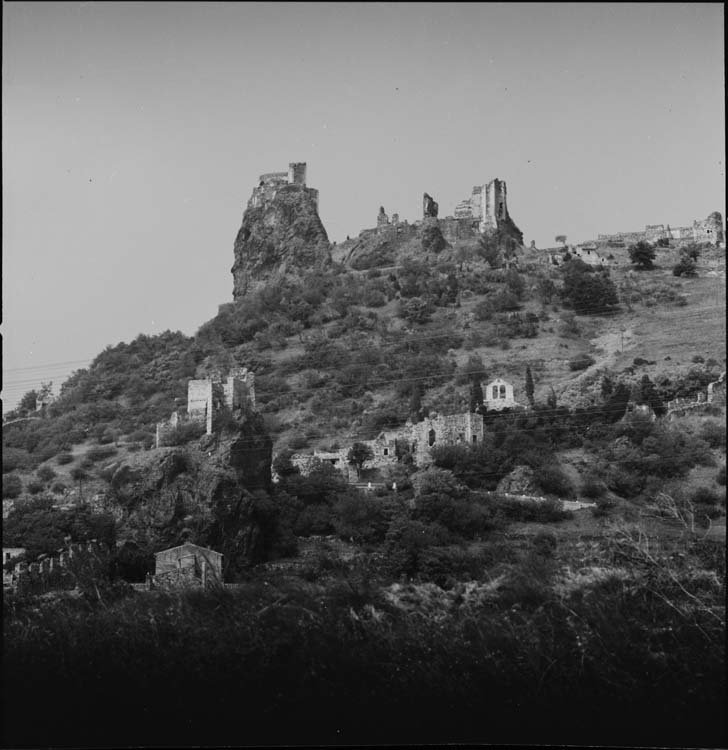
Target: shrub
x,y
663,242
714,434
179,435
296,442
100,453
15,458
553,481
705,496
581,362
58,488
592,487
45,473
12,486
64,458
685,267
34,487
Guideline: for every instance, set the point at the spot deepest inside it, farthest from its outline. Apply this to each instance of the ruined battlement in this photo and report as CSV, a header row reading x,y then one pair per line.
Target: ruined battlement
x,y
271,182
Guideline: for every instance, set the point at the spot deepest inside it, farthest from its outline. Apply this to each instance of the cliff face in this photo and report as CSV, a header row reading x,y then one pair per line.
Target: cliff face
x,y
205,491
280,234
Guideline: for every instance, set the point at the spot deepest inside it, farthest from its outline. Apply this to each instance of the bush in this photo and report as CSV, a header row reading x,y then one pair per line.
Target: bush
x,y
553,481
714,434
34,488
592,487
46,474
12,486
685,267
58,488
100,453
581,362
705,496
15,458
179,435
64,458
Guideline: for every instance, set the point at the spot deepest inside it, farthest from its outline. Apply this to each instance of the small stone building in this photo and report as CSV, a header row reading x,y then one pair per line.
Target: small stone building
x,y
187,565
498,394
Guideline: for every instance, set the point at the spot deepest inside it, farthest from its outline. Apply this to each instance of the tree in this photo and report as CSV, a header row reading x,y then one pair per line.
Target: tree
x,y
642,254
691,251
551,400
476,395
607,387
588,291
282,464
415,404
560,239
529,386
79,475
27,403
685,267
358,455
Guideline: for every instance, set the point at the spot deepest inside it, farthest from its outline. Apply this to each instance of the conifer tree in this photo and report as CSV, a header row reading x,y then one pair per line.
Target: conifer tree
x,y
529,386
476,395
415,404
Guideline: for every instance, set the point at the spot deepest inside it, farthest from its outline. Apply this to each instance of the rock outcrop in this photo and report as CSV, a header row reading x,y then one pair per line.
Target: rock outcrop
x,y
281,233
207,492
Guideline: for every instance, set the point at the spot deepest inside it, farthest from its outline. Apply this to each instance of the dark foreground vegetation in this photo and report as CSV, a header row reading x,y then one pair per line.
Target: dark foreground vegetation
x,y
617,641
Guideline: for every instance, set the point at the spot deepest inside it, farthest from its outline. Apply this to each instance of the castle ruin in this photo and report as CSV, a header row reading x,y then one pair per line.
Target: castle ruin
x,y
709,229
270,183
206,398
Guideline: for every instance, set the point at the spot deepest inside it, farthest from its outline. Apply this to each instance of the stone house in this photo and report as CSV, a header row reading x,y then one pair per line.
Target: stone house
x,y
187,565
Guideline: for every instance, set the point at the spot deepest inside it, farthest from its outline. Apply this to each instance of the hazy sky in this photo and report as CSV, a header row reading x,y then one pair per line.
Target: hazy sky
x,y
133,134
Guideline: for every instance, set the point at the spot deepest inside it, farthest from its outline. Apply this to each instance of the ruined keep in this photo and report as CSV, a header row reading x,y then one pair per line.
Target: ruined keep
x,y
206,397
485,211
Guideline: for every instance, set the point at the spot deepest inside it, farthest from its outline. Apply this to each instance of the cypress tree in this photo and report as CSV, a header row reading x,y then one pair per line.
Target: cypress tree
x,y
476,395
529,386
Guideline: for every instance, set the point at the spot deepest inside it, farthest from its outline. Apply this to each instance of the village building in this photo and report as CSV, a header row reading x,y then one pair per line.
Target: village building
x,y
187,565
498,394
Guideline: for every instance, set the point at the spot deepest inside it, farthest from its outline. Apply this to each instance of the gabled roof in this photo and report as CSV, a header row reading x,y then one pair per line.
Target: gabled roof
x,y
189,547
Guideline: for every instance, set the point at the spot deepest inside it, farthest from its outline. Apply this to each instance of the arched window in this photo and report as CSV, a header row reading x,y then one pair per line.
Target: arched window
x,y
431,437
475,438
502,391
495,391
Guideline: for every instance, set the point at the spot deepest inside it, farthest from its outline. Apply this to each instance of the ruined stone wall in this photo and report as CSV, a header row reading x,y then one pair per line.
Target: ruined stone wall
x,y
709,229
417,439
60,571
702,230
454,228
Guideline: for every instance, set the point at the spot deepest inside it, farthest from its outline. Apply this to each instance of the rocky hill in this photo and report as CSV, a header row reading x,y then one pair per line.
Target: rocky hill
x,y
281,234
400,322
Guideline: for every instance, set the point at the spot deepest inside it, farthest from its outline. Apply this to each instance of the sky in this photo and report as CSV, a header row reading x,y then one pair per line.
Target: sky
x,y
134,133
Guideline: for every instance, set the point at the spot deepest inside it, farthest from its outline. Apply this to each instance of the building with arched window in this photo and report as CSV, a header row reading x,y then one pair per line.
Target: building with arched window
x,y
498,394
